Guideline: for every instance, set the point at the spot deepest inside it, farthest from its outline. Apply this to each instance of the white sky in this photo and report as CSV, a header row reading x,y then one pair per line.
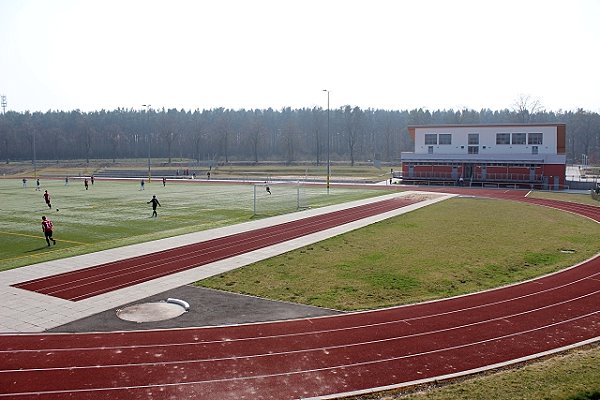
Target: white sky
x,y
397,54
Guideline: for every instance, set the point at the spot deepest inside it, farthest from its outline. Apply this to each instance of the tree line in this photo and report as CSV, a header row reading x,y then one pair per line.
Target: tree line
x,y
290,135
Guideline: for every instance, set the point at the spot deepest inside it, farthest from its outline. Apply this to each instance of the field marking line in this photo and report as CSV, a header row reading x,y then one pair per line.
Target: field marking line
x,y
38,237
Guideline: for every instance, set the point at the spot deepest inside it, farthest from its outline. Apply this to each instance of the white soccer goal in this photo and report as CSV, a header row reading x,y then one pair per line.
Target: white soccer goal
x,y
272,198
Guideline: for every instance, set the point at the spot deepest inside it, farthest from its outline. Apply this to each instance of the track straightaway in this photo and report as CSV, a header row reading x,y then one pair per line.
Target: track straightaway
x,y
89,282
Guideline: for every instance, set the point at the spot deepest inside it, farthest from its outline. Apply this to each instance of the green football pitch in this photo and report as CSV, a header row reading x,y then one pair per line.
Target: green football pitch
x,y
116,213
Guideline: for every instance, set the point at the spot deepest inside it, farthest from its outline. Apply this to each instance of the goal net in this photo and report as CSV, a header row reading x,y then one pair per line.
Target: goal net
x,y
276,198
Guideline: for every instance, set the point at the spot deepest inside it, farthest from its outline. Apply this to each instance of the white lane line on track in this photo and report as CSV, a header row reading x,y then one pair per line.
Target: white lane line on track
x,y
330,368
567,207
226,340
315,349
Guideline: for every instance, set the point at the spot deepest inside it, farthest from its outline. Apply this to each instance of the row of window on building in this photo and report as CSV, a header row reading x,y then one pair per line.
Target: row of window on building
x,y
533,138
474,149
503,165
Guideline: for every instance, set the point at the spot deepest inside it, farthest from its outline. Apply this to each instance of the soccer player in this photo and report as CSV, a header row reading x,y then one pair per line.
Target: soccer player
x,y
268,189
164,181
142,184
47,198
85,183
155,203
47,229
37,184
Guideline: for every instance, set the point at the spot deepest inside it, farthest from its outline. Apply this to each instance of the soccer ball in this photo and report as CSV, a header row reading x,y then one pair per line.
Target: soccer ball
x,y
57,209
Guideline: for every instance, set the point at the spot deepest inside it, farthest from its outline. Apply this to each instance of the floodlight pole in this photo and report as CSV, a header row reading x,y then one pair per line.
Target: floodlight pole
x,y
148,136
34,157
328,141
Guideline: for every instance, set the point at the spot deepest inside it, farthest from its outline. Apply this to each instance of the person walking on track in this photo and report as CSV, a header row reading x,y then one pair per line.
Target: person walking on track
x,y
47,229
155,203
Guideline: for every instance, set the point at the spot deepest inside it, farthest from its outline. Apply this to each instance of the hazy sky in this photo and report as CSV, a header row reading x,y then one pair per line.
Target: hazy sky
x,y
397,54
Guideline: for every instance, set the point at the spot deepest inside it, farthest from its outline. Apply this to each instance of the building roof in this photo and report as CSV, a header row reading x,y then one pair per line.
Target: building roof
x,y
484,125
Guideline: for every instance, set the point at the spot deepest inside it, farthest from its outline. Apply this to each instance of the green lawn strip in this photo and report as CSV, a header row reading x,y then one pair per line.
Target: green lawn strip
x,y
572,197
250,171
301,171
112,214
458,246
567,376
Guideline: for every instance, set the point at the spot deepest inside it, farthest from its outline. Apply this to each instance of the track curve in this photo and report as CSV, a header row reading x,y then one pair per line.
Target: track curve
x,y
324,356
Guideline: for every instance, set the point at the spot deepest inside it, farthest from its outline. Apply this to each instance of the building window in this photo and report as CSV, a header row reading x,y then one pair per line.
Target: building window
x,y
534,138
445,138
518,138
473,138
473,150
430,150
430,138
502,138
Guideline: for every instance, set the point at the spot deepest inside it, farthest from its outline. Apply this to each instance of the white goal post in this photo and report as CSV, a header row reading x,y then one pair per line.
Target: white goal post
x,y
270,198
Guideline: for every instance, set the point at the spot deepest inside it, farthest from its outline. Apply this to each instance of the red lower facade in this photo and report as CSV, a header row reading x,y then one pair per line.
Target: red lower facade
x,y
537,176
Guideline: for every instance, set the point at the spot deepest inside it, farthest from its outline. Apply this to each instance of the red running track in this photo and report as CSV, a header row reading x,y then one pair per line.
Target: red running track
x,y
344,354
586,210
89,282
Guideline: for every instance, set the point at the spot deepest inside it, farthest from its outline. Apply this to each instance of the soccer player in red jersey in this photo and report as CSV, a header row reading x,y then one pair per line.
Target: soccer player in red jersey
x,y
47,198
47,229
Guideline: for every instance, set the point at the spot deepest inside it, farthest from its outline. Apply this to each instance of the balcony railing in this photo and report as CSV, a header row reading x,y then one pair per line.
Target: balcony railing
x,y
489,177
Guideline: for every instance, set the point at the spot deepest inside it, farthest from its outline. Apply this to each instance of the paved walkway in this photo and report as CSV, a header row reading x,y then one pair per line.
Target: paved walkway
x,y
25,311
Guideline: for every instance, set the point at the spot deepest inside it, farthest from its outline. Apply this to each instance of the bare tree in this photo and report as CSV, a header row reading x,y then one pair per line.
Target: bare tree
x,y
316,122
255,133
290,129
353,125
5,135
525,106
199,133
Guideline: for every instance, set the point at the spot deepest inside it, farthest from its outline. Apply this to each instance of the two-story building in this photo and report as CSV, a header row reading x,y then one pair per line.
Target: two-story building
x,y
523,155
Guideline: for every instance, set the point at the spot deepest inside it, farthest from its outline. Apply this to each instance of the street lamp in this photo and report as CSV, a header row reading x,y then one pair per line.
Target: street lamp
x,y
328,162
148,136
34,157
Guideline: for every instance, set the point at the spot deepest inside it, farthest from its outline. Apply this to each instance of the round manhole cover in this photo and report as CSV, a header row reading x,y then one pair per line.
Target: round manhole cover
x,y
149,312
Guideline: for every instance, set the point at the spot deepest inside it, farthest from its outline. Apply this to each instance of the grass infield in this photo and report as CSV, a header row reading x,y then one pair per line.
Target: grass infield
x,y
458,246
115,213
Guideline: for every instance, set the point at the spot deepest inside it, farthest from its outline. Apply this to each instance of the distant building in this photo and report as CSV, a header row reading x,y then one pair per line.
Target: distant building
x,y
526,155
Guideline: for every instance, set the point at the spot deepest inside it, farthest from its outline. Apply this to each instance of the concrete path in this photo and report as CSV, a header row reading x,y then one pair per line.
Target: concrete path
x,y
25,311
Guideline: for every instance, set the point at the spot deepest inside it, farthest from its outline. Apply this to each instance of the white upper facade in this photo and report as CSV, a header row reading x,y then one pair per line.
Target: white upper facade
x,y
486,140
